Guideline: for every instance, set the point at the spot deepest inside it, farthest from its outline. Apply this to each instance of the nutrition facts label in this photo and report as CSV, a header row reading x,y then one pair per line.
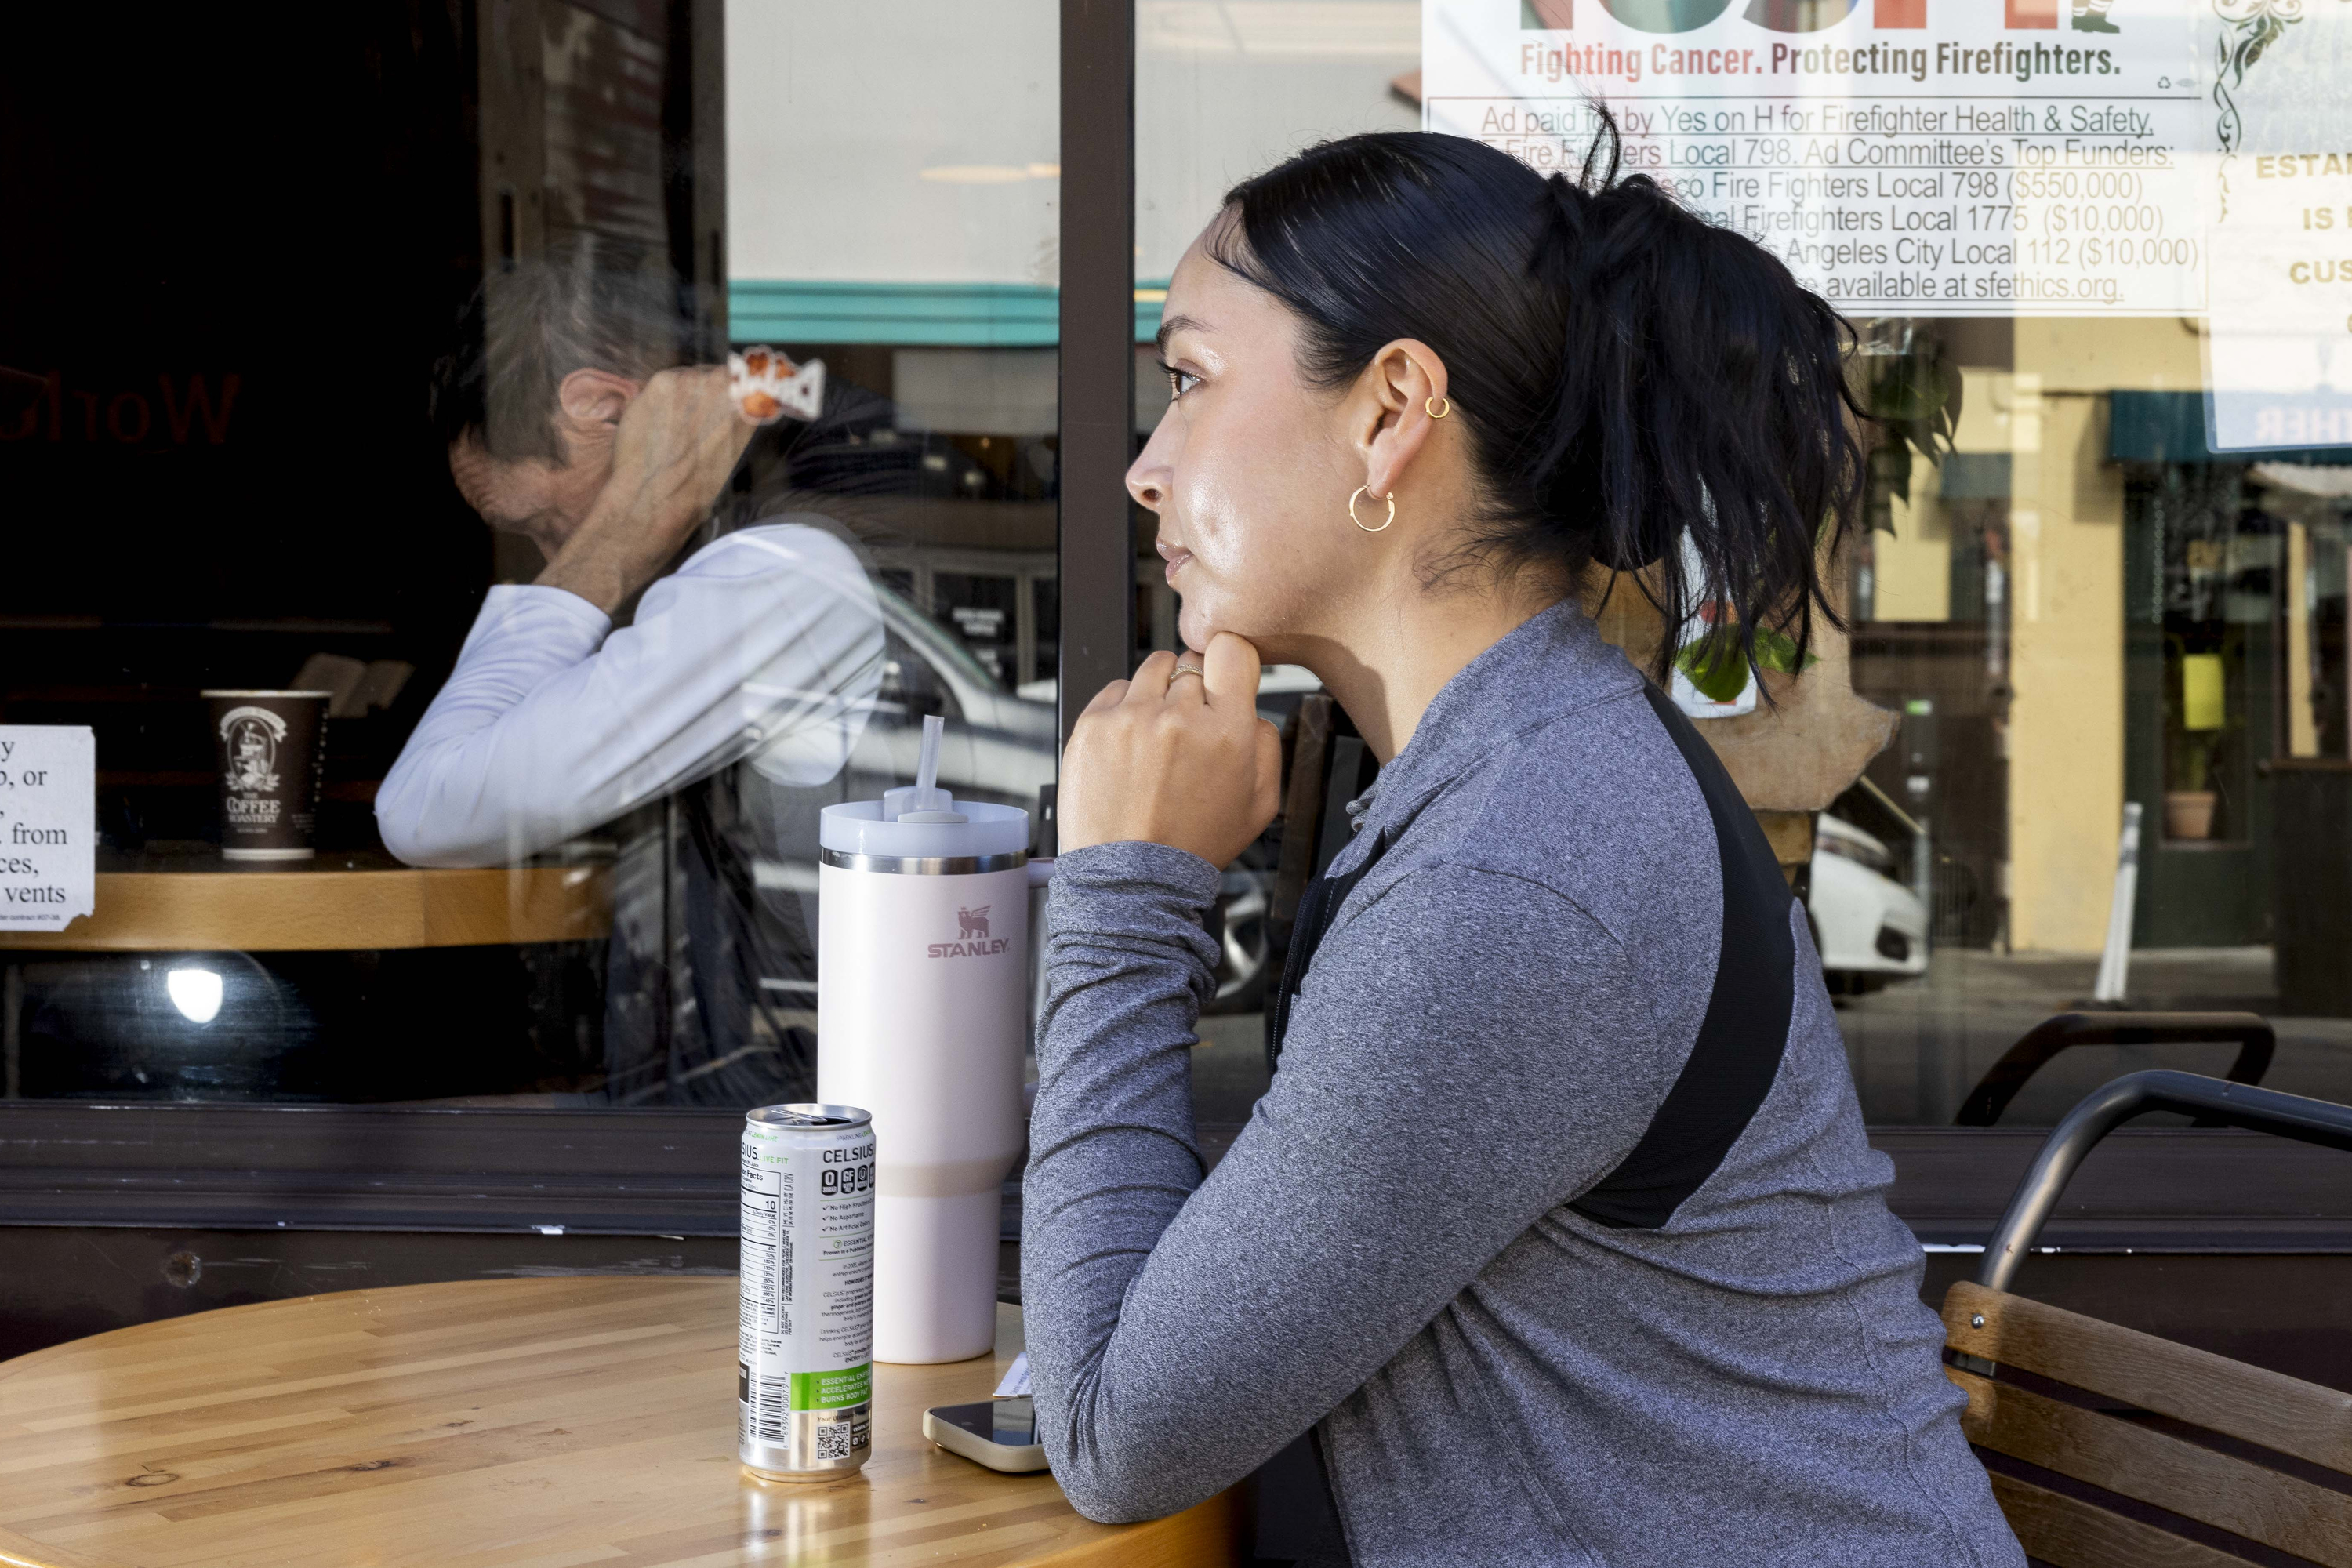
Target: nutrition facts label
x,y
766,1262
1993,163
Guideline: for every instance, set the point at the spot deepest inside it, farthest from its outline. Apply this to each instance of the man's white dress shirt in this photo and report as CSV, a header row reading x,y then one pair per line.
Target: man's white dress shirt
x,y
765,647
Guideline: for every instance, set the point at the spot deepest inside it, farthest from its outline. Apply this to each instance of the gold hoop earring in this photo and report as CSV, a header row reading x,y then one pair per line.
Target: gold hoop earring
x,y
1359,522
1434,412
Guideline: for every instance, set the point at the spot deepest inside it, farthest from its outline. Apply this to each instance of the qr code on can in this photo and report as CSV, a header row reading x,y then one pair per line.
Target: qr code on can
x,y
833,1440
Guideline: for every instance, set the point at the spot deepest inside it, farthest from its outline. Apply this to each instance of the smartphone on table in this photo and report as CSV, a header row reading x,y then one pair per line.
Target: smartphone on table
x,y
1000,1434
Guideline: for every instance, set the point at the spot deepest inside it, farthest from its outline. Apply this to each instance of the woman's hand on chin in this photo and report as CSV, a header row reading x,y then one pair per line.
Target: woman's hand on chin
x,y
1176,759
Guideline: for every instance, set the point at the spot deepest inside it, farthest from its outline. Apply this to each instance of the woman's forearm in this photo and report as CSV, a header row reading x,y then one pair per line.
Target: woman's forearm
x,y
1112,1157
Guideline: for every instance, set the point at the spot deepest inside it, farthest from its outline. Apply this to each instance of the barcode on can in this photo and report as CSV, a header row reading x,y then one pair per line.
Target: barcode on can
x,y
770,1408
833,1440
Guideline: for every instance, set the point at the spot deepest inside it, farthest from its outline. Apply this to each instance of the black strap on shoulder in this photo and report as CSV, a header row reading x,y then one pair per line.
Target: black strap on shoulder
x,y
1737,1053
1295,1513
1730,1072
1316,905
1736,1056
1298,1519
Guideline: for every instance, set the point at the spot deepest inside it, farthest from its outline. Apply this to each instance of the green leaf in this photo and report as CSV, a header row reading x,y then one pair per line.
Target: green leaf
x,y
1914,396
1892,462
1909,390
1778,651
1715,666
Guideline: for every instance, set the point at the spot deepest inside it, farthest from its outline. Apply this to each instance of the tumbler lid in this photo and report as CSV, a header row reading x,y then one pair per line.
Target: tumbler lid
x,y
922,821
859,827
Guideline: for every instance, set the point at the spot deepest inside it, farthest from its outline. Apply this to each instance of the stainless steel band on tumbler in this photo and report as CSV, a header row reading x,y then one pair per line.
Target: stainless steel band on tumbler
x,y
924,864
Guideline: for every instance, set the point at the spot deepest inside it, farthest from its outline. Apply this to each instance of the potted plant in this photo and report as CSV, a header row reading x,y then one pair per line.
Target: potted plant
x,y
2200,719
2189,812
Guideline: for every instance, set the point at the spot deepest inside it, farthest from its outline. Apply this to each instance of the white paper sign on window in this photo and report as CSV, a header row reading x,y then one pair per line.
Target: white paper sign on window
x,y
2278,359
1903,157
48,826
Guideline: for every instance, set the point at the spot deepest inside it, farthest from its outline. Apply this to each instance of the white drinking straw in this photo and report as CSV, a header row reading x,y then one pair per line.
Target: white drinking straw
x,y
927,771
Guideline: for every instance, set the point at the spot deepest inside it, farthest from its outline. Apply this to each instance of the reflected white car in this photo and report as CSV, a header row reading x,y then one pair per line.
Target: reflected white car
x,y
1869,928
1279,687
1002,746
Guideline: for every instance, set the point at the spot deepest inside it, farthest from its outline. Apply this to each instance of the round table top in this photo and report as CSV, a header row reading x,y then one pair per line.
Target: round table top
x,y
200,903
508,1422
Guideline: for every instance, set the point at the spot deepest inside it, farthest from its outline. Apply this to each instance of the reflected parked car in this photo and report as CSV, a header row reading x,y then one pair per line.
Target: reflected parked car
x,y
1869,928
1002,746
1280,689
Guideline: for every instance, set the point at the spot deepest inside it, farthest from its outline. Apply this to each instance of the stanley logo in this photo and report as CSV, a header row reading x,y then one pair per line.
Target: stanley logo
x,y
972,941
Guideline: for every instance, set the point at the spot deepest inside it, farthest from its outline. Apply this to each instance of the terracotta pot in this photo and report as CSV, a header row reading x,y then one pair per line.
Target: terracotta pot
x,y
2188,813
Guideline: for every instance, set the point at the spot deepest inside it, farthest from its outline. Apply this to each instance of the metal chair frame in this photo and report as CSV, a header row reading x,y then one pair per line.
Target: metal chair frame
x,y
2213,1100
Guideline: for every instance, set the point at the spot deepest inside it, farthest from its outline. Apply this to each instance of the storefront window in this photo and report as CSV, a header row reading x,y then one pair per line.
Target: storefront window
x,y
2105,563
2085,248
262,402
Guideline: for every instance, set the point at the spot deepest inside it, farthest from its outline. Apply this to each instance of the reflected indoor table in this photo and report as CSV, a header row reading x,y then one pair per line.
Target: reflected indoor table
x,y
195,902
507,1421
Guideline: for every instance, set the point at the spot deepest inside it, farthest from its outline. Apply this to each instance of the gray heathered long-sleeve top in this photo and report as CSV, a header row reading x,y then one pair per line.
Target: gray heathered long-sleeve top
x,y
1508,1231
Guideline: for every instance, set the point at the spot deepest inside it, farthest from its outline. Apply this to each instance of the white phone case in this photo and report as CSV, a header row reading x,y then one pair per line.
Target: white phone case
x,y
1012,1459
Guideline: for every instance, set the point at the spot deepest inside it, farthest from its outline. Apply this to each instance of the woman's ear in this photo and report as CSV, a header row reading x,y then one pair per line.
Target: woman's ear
x,y
1390,411
596,397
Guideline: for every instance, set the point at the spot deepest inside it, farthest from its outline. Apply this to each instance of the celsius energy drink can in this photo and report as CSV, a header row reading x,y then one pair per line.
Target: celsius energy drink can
x,y
805,1384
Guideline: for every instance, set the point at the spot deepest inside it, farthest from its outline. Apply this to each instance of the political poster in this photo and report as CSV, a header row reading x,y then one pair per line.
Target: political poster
x,y
1903,157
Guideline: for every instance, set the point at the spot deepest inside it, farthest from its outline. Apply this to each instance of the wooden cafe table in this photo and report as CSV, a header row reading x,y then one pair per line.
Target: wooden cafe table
x,y
520,1422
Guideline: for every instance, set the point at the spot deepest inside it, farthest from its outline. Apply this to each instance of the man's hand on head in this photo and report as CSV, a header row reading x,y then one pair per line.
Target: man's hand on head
x,y
676,444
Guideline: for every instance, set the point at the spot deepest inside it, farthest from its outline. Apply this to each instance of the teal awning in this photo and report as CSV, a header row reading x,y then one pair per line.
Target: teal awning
x,y
2170,428
956,315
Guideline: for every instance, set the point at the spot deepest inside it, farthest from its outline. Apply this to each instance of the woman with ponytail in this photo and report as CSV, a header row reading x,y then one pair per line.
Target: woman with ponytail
x,y
1556,1238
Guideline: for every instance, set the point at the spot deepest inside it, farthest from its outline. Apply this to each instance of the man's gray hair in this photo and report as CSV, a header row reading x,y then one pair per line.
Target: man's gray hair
x,y
587,301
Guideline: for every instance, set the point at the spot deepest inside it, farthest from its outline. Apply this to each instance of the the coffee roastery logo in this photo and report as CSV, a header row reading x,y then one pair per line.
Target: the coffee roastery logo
x,y
252,736
972,941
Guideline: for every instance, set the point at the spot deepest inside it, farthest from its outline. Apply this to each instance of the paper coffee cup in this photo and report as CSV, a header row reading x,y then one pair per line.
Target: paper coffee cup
x,y
272,746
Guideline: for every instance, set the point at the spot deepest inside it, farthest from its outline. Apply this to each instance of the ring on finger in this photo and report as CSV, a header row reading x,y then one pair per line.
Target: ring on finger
x,y
1185,669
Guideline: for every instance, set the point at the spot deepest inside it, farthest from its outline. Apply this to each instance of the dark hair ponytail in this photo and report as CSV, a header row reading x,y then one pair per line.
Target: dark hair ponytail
x,y
1626,372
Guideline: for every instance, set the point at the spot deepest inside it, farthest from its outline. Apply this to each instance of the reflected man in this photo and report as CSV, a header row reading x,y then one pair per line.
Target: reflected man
x,y
570,420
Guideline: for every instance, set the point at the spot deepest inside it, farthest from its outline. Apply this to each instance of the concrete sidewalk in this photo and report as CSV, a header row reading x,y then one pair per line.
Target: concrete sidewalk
x,y
1918,1046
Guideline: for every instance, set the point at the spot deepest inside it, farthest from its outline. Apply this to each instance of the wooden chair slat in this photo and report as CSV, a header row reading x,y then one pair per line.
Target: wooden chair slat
x,y
2262,1505
2072,1533
2197,1387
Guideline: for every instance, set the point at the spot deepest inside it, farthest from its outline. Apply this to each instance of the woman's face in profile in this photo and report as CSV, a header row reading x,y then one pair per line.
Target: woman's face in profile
x,y
1249,471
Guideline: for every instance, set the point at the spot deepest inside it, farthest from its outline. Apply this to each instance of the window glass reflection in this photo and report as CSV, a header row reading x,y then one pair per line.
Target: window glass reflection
x,y
632,431
2080,589
2108,563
